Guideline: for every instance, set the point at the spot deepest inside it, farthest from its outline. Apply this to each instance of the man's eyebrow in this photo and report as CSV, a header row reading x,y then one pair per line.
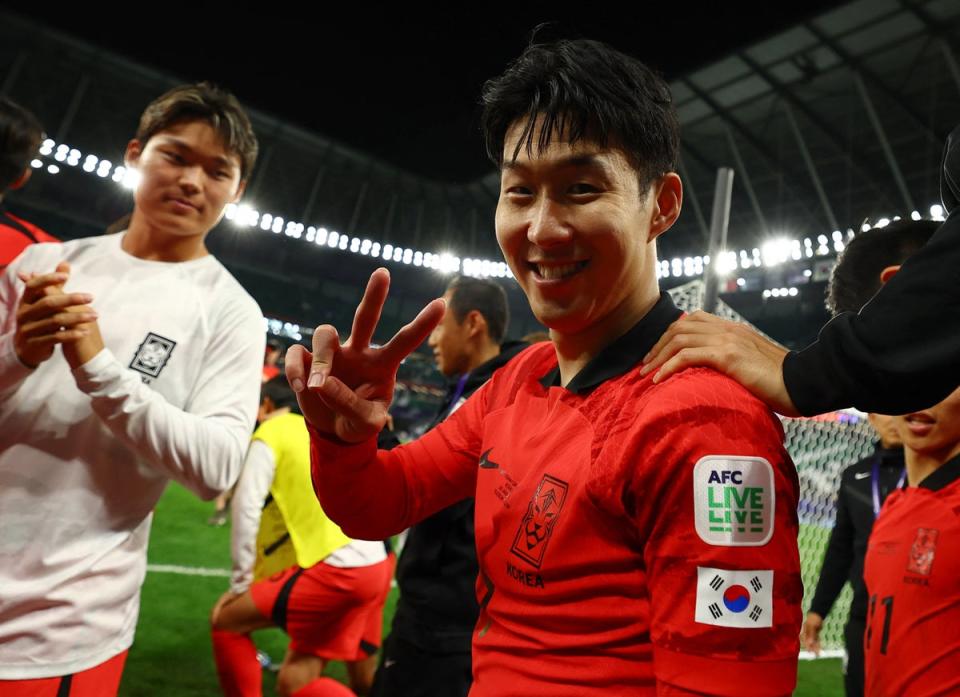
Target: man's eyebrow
x,y
219,160
583,160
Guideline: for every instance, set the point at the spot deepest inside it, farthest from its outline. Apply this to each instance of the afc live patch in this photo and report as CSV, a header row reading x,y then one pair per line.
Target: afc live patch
x,y
536,527
733,500
739,599
152,354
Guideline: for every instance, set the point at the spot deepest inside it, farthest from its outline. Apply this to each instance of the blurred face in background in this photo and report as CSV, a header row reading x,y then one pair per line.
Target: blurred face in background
x,y
450,341
886,428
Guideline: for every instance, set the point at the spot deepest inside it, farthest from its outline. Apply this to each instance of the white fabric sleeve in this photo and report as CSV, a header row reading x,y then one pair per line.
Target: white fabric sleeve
x,y
201,446
12,371
246,506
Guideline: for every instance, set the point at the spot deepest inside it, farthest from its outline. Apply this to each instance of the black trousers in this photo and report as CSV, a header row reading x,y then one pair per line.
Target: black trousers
x,y
406,670
853,638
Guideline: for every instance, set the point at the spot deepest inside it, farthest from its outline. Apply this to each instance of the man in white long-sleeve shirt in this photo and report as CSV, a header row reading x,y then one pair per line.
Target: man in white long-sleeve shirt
x,y
125,361
294,568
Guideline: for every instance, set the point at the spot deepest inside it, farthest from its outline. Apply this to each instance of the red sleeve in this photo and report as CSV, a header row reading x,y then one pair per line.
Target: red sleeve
x,y
715,504
372,494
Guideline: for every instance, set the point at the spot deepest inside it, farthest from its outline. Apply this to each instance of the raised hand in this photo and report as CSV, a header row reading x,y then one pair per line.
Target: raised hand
x,y
46,316
728,347
344,390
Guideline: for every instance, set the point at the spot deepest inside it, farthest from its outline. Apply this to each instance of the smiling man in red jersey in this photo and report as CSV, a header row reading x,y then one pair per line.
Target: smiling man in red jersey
x,y
632,538
126,361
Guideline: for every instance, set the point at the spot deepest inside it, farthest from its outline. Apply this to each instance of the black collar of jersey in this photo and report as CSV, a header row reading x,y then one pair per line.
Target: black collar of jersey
x,y
947,473
624,353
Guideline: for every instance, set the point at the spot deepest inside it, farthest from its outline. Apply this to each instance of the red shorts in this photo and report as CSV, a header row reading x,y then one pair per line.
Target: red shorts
x,y
328,611
100,681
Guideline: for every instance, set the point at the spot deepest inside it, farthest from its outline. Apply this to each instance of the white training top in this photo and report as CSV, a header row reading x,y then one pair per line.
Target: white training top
x,y
85,455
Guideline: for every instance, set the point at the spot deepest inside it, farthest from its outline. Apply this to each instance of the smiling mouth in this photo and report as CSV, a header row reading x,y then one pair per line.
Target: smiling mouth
x,y
556,272
920,419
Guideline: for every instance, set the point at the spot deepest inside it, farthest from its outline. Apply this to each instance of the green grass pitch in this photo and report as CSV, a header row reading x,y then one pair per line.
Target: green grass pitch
x,y
172,656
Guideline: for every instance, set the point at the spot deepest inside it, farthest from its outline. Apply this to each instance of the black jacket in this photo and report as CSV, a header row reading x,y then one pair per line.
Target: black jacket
x,y
901,352
843,560
437,571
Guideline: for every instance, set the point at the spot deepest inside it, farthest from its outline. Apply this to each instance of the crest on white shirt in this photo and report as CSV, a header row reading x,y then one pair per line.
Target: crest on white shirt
x,y
152,354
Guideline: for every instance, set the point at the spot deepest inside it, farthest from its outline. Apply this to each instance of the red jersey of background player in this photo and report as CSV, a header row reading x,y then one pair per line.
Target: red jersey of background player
x,y
16,234
912,573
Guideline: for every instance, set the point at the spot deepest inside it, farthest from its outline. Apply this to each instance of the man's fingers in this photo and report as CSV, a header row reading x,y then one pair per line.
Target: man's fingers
x,y
44,307
686,358
677,343
368,311
60,321
413,334
59,337
326,343
362,413
296,366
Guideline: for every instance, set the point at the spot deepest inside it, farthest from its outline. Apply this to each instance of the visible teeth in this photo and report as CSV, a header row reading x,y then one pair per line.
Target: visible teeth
x,y
553,272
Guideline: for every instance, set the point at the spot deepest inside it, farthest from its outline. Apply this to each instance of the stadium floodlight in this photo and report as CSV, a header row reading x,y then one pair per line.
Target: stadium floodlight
x,y
47,147
936,211
726,262
776,251
864,227
53,169
915,215
37,164
883,222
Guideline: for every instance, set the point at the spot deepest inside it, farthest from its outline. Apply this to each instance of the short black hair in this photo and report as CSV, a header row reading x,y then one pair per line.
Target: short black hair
x,y
486,297
280,393
588,91
856,277
20,136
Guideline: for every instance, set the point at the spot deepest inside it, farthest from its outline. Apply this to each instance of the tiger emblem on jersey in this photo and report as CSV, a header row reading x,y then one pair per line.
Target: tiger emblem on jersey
x,y
536,527
922,551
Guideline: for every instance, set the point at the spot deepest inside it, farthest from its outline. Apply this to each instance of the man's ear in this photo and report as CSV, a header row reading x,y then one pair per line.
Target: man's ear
x,y
22,179
889,273
131,157
476,322
668,199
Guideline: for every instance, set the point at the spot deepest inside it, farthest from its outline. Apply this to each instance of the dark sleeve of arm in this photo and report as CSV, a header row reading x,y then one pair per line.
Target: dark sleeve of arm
x,y
901,352
373,494
836,560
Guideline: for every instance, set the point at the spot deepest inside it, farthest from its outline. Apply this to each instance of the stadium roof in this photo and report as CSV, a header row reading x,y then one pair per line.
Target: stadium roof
x,y
836,118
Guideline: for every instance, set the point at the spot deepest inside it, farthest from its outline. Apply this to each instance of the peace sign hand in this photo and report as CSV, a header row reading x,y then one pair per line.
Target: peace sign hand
x,y
344,390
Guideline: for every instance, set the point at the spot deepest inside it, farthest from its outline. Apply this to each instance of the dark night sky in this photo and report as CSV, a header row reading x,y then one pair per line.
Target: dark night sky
x,y
401,84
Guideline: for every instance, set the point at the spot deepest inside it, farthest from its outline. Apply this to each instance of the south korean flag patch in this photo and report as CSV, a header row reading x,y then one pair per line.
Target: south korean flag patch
x,y
742,599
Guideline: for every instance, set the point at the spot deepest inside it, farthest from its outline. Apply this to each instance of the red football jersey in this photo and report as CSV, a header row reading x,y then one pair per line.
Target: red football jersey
x,y
632,537
16,234
912,574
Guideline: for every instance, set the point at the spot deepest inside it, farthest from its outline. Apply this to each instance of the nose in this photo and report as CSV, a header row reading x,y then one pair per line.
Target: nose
x,y
190,178
547,227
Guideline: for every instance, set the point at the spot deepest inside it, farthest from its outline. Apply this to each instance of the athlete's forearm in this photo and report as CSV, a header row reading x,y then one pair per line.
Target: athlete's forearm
x,y
372,494
204,453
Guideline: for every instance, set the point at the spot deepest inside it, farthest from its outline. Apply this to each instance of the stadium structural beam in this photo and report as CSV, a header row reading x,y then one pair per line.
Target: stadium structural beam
x,y
951,62
689,193
934,28
776,163
884,143
747,184
811,167
876,82
11,79
856,160
314,191
391,214
260,170
719,224
73,108
357,207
